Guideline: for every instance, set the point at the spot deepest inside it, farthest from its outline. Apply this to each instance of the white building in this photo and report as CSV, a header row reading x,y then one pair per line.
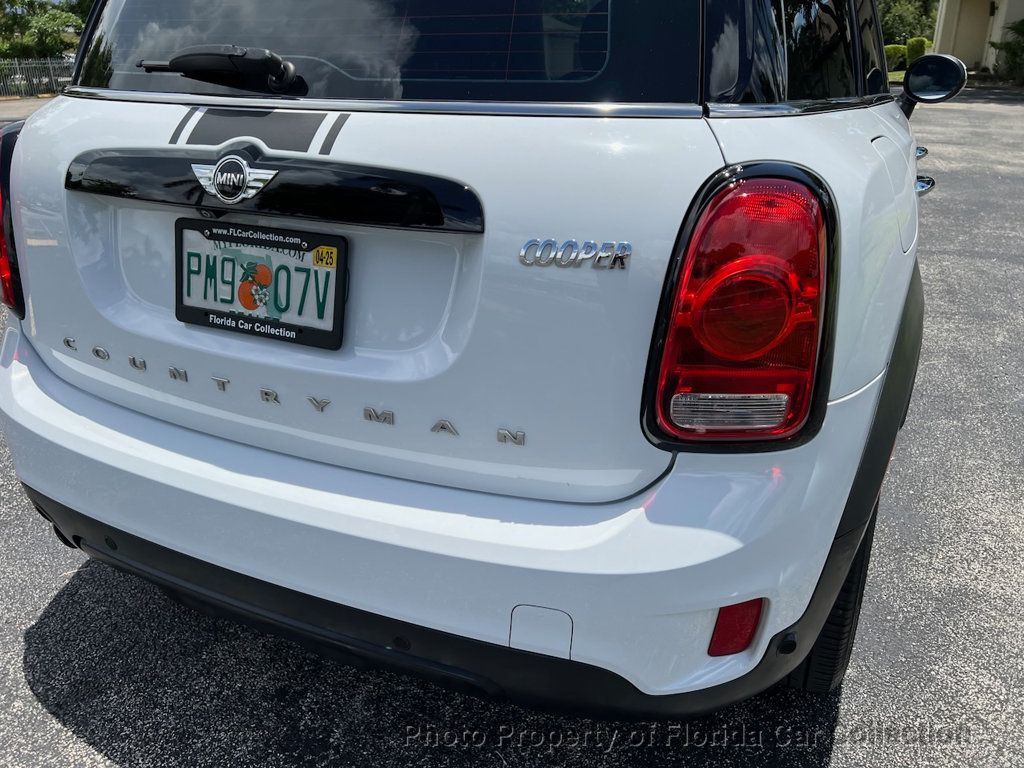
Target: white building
x,y
965,28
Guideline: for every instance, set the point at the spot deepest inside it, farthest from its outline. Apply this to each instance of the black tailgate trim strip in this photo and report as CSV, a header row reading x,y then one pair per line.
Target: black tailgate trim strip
x,y
314,189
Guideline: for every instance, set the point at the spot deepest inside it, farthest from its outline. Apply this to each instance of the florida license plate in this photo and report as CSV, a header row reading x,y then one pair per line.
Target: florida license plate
x,y
273,283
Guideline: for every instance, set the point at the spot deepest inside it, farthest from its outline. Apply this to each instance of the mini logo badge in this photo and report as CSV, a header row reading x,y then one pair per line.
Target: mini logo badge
x,y
232,180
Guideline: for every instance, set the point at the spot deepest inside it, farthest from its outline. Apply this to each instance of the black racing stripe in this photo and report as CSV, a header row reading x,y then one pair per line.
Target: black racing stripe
x,y
181,126
332,135
278,129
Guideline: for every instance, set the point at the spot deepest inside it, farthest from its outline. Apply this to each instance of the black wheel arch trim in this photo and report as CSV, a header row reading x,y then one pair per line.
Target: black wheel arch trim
x,y
891,410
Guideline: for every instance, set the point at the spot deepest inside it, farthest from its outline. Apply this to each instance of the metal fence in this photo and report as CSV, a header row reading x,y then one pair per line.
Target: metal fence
x,y
33,77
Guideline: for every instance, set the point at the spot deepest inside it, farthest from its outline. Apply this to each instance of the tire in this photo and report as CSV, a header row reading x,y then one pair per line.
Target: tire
x,y
825,666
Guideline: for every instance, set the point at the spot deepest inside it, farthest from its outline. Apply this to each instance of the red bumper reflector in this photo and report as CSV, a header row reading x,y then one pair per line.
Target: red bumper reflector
x,y
735,628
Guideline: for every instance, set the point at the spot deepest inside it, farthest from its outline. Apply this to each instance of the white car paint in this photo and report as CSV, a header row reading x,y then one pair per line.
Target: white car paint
x,y
641,578
874,269
637,547
439,325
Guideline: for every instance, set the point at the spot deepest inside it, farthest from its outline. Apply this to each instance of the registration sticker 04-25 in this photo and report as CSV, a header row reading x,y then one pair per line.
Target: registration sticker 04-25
x,y
259,281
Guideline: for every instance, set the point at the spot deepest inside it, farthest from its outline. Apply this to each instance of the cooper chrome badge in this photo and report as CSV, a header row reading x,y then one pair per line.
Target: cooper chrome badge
x,y
572,253
232,180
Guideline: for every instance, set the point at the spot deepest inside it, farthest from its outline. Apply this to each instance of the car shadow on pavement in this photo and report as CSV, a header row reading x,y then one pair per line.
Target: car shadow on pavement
x,y
145,681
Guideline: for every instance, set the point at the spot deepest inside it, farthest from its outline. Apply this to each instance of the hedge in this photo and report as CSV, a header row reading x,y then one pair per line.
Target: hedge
x,y
896,57
916,48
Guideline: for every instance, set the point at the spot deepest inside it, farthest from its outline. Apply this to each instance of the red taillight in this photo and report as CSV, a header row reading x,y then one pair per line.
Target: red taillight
x,y
6,278
742,343
735,628
10,292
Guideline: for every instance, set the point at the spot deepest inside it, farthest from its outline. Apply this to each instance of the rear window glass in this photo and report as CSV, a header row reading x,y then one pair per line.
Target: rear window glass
x,y
873,60
464,50
770,51
746,52
820,54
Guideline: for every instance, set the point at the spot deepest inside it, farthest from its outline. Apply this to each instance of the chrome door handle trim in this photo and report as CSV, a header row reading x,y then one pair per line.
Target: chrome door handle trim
x,y
924,185
922,153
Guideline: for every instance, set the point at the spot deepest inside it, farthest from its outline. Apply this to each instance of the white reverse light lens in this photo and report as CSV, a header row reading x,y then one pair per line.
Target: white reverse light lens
x,y
706,411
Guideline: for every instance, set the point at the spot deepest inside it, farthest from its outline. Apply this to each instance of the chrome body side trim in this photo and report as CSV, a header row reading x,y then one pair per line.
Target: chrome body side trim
x,y
492,108
531,109
791,109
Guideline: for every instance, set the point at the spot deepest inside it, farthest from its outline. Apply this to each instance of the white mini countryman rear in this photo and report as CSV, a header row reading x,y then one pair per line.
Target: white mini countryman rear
x,y
556,350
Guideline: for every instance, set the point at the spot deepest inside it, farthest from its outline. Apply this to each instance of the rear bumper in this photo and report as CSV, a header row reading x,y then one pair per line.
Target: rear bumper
x,y
459,662
626,592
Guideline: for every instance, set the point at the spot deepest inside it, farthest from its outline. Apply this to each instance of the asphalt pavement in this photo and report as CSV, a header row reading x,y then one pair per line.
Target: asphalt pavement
x,y
18,109
98,668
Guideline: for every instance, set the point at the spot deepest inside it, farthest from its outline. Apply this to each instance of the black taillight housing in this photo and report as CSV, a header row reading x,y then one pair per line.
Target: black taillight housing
x,y
742,348
10,278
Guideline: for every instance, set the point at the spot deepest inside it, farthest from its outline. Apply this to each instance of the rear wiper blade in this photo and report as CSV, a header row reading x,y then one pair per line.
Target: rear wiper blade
x,y
212,61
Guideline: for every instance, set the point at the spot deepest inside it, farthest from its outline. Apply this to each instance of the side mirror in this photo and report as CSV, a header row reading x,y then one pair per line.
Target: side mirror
x,y
933,78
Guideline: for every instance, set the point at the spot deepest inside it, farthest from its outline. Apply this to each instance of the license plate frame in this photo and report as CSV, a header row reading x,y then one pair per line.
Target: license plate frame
x,y
316,246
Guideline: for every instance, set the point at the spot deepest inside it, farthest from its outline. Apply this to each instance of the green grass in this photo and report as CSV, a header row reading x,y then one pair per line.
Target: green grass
x,y
896,78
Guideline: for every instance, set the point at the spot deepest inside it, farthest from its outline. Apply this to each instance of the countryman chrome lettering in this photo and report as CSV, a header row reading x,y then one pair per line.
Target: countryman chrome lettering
x,y
273,397
571,253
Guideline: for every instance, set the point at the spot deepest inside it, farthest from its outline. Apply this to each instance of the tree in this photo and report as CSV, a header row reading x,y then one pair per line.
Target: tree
x,y
48,32
1010,61
14,18
98,64
39,28
903,19
80,8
